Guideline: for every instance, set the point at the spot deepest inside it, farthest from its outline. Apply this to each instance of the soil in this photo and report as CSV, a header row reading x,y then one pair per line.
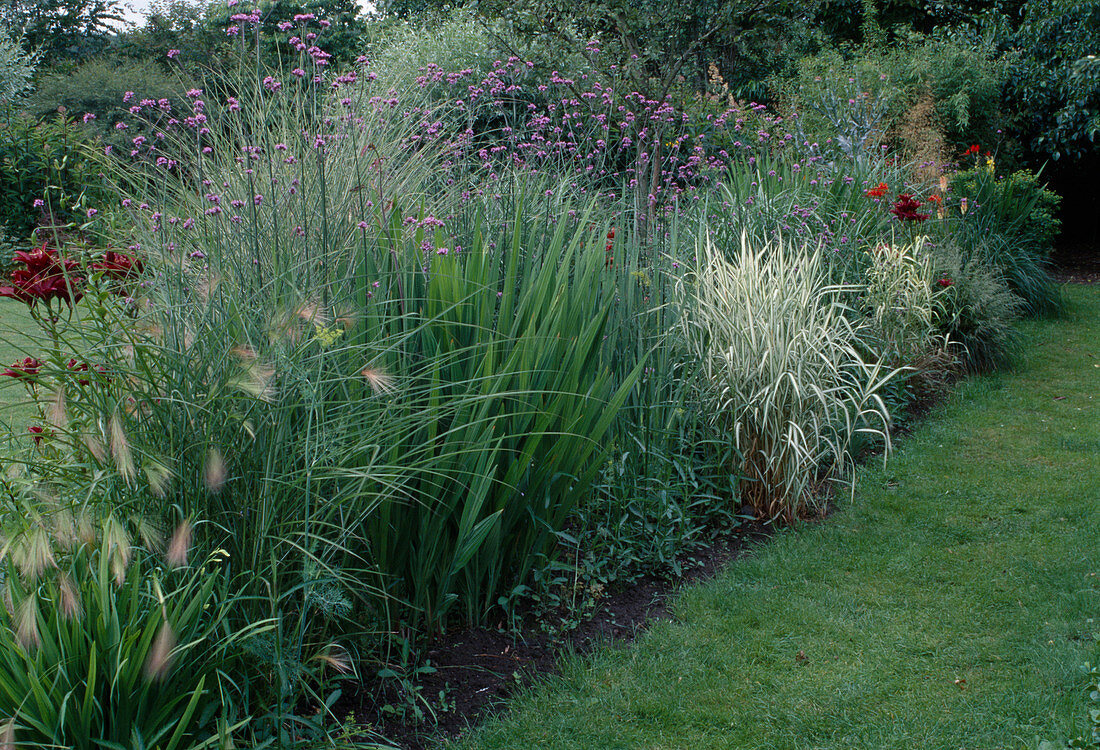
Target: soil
x,y
1077,262
477,669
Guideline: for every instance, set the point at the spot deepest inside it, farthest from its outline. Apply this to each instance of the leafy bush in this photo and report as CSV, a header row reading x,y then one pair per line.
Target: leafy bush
x,y
1052,86
98,89
956,77
47,174
779,357
16,70
104,644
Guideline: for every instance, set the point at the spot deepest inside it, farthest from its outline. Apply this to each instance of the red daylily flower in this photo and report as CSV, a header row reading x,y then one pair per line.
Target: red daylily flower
x,y
877,191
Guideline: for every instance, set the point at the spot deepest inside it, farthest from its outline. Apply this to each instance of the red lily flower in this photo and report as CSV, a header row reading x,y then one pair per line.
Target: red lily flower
x,y
905,208
45,276
28,367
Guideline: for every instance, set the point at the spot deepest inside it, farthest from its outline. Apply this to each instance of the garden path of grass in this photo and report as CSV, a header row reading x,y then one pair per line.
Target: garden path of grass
x,y
15,325
949,607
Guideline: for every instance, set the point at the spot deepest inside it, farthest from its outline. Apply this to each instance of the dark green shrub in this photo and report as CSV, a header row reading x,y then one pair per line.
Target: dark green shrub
x,y
1052,85
99,87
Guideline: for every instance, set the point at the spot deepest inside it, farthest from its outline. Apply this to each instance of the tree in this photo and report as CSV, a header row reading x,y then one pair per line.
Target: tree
x,y
16,69
61,29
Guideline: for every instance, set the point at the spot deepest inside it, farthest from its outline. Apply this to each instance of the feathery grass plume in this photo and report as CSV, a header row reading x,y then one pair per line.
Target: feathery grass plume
x,y
256,380
26,623
158,475
57,415
214,470
380,381
116,544
150,535
180,545
120,449
68,598
32,553
159,662
337,657
85,530
96,449
65,530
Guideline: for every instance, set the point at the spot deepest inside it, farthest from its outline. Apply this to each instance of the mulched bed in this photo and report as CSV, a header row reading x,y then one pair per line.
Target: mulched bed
x,y
478,669
1077,263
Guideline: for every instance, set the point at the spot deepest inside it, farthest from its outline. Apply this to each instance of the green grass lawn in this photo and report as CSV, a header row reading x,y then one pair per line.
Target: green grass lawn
x,y
949,606
15,324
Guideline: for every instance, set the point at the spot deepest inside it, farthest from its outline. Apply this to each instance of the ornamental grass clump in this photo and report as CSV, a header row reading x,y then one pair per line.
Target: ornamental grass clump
x,y
901,297
104,642
779,356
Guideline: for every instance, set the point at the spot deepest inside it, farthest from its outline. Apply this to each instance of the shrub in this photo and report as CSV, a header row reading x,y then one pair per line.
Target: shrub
x,y
98,89
1052,85
16,70
925,88
48,175
780,364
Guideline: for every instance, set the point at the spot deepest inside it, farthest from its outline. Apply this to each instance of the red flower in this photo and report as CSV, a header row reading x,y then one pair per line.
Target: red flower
x,y
972,151
85,367
936,198
905,208
945,282
37,432
45,276
877,191
118,265
29,367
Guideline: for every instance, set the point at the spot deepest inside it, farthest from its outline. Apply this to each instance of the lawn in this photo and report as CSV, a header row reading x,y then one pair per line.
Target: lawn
x,y
948,606
15,324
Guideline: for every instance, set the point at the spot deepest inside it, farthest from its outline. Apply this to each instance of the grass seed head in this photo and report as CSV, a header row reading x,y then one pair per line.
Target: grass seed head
x,y
180,545
159,662
26,623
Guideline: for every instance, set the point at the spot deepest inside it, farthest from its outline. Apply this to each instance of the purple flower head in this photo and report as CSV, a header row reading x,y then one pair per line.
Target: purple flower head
x,y
173,54
88,117
39,203
92,212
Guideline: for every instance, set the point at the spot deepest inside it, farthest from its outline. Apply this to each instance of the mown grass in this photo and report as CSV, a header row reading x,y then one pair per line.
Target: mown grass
x,y
948,606
15,327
